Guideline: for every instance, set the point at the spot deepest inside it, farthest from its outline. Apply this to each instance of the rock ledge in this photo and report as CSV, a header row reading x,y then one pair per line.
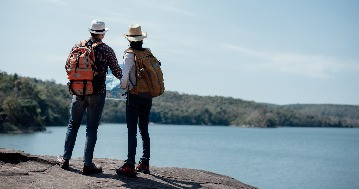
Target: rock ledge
x,y
21,170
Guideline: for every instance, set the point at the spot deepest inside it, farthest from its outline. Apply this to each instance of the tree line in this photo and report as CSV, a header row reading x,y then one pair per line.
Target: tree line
x,y
29,104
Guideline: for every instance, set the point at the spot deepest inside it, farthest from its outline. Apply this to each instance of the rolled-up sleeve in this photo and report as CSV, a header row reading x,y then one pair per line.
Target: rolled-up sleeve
x,y
113,64
128,63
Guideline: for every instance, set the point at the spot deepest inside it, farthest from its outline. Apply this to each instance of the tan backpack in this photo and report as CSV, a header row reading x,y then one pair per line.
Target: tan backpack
x,y
149,76
80,68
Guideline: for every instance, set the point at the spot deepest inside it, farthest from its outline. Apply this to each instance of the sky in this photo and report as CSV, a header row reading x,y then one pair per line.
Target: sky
x,y
276,51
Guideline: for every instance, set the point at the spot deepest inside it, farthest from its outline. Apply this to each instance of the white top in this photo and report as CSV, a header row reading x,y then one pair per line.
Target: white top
x,y
128,79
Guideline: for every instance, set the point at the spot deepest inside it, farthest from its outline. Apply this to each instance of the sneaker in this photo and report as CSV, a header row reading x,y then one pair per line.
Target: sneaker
x,y
64,163
92,169
143,166
128,169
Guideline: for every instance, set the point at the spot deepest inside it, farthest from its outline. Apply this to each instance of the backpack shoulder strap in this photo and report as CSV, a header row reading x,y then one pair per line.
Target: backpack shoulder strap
x,y
96,44
83,43
146,52
129,50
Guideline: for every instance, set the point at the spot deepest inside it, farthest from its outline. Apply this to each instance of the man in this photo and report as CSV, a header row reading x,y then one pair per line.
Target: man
x,y
104,57
138,106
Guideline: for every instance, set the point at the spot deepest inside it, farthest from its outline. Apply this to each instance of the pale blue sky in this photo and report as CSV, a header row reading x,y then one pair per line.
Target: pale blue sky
x,y
282,52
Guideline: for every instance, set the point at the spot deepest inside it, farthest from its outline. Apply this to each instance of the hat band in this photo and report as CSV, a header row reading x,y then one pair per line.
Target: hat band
x,y
98,30
133,35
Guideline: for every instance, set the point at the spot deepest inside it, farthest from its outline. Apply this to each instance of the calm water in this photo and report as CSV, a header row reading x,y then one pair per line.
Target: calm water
x,y
278,158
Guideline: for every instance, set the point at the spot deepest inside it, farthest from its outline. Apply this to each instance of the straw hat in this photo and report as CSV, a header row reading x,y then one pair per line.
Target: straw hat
x,y
97,27
135,33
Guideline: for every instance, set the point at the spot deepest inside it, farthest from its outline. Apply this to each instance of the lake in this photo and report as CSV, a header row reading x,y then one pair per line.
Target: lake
x,y
280,158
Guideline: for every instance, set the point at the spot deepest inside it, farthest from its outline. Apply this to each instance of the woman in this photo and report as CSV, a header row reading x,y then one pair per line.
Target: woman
x,y
138,104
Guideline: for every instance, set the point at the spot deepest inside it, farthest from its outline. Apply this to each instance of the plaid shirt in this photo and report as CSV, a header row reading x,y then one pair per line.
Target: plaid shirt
x,y
105,58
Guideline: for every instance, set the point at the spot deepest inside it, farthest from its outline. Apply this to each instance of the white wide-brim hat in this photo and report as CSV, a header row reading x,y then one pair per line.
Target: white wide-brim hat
x,y
97,27
135,33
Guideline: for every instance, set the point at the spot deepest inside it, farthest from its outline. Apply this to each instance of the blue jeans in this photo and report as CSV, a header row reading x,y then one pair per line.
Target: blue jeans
x,y
138,111
94,105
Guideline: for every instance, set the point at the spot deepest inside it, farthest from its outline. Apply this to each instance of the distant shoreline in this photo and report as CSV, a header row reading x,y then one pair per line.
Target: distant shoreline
x,y
30,104
175,125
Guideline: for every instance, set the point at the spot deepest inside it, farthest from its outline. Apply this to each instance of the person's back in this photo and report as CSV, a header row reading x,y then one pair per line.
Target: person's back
x,y
149,77
105,57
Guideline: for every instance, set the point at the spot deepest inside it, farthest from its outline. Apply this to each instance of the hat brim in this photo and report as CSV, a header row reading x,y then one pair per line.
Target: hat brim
x,y
97,32
135,38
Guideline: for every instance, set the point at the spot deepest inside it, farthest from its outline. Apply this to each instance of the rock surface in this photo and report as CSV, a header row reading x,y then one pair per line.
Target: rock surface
x,y
21,170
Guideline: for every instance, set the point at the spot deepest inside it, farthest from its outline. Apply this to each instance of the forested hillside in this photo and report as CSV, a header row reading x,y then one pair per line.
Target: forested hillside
x,y
29,104
344,114
175,108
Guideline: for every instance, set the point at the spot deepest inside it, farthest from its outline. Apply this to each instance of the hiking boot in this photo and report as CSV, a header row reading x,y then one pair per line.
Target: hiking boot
x,y
143,166
128,169
92,169
64,163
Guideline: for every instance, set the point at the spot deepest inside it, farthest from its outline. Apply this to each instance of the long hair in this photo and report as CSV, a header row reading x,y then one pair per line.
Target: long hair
x,y
137,45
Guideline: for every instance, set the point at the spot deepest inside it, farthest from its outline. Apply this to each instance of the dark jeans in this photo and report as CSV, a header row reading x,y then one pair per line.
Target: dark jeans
x,y
94,105
138,111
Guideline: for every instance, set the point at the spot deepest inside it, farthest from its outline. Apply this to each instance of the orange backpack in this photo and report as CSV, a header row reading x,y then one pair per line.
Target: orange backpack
x,y
149,76
80,67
